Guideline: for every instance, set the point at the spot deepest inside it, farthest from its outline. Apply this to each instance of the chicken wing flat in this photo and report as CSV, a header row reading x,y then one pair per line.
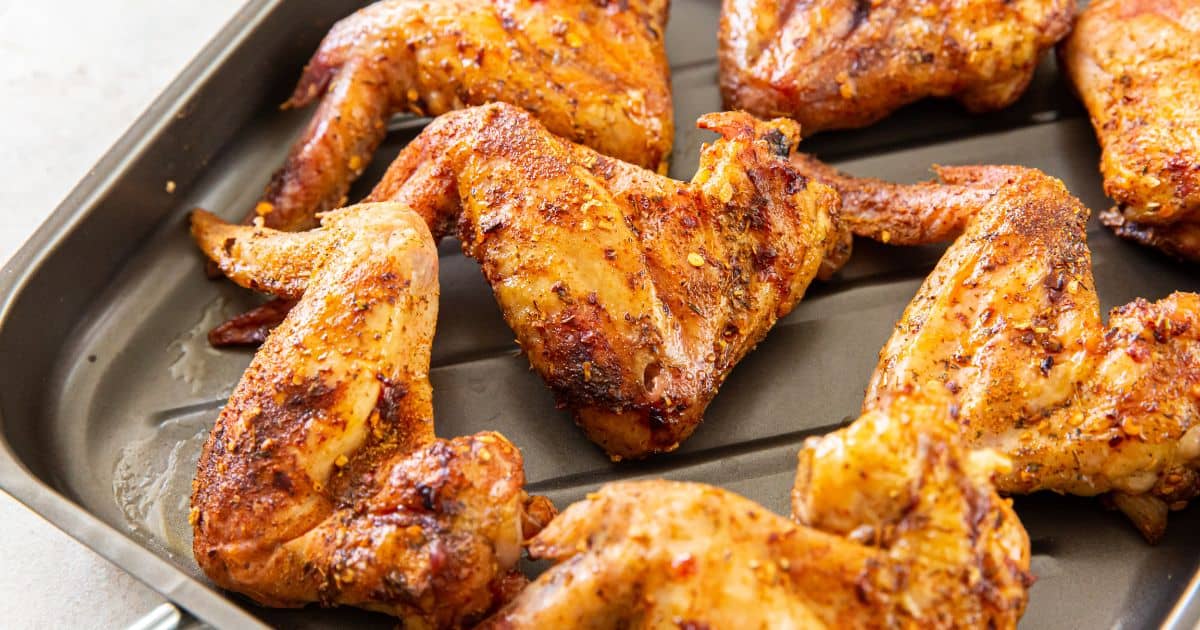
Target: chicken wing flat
x,y
322,480
632,294
833,64
943,550
1009,324
1136,64
593,72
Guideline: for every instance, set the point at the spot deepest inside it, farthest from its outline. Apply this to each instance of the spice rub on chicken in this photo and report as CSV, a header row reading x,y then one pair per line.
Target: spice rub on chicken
x,y
631,293
592,72
1136,64
1009,324
833,64
322,480
899,527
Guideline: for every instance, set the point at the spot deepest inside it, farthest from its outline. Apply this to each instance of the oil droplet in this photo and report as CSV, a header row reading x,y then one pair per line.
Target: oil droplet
x,y
195,353
152,481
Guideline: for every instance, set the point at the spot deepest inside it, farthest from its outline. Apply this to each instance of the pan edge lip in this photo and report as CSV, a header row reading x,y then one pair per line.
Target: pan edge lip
x,y
1185,614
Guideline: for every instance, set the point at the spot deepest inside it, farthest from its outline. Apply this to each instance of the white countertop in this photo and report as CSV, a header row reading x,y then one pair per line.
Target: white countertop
x,y
75,75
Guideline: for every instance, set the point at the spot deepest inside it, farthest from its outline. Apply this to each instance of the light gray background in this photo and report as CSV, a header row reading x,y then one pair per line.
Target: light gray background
x,y
75,74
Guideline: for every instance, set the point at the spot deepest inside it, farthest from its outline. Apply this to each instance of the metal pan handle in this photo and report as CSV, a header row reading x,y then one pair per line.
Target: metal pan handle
x,y
167,616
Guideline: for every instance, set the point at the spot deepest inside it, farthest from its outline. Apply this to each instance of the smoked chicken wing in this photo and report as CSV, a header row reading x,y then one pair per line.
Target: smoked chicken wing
x,y
322,480
632,294
1136,64
833,64
1009,324
592,71
919,540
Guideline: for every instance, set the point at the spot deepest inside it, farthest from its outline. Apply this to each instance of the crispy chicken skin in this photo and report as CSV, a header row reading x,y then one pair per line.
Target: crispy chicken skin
x,y
1136,64
1009,324
941,549
833,64
592,71
632,294
252,327
903,481
322,480
902,214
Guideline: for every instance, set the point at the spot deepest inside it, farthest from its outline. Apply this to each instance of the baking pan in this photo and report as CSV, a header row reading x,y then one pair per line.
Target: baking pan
x,y
109,386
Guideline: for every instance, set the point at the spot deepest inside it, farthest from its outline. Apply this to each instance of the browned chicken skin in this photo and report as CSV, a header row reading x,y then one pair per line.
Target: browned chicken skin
x,y
594,72
1136,64
901,214
1009,324
833,64
925,543
252,327
322,480
632,294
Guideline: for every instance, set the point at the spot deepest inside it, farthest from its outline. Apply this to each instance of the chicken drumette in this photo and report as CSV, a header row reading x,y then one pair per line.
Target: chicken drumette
x,y
1009,324
322,480
848,63
906,531
1136,64
632,294
593,72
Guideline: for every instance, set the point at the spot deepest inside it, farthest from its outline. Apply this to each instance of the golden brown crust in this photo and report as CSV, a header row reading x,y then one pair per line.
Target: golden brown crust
x,y
593,72
1181,240
632,294
1136,64
261,258
905,214
903,480
252,327
655,554
322,480
1008,324
847,63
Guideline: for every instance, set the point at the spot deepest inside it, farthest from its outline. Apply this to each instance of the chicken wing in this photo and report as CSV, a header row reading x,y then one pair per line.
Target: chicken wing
x,y
632,294
903,214
833,64
1009,324
322,480
924,543
1136,64
593,72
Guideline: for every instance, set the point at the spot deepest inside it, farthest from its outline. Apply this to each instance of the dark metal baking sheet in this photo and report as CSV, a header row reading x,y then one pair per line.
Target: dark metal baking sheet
x,y
108,386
